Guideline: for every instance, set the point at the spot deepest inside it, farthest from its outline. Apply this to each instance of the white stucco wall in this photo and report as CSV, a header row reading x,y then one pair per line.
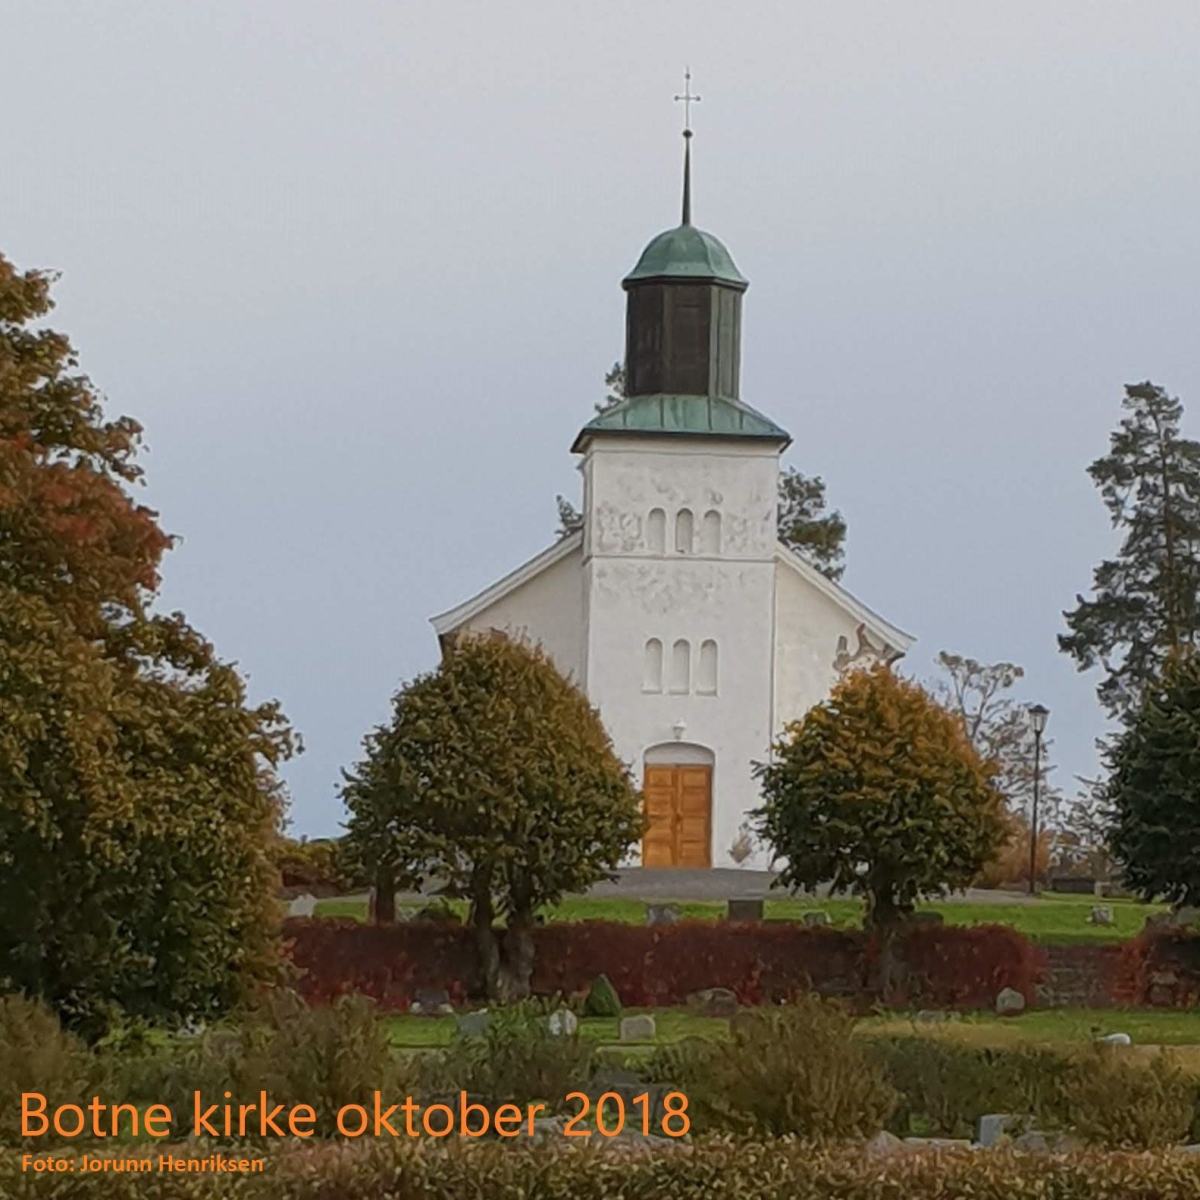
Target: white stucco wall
x,y
634,594
807,627
546,609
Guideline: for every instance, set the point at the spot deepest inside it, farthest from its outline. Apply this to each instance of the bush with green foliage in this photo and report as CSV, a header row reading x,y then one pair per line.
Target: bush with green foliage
x,y
496,777
944,1086
715,1169
791,1069
36,1055
516,1060
1116,1103
602,999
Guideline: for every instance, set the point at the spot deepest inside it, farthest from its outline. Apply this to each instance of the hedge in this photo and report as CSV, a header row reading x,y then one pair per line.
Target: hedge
x,y
718,1169
1161,967
653,966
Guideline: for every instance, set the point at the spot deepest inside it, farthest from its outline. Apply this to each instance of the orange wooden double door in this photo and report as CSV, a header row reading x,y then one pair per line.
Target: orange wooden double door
x,y
678,814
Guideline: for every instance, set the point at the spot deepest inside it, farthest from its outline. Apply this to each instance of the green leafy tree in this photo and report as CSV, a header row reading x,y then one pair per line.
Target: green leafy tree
x,y
805,526
138,803
878,791
496,778
1144,601
1152,793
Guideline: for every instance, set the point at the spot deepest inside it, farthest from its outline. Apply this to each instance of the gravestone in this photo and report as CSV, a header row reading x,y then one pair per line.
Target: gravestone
x,y
817,918
638,1029
1101,914
713,1002
1009,1002
994,1128
431,1002
563,1022
661,914
304,905
744,909
474,1024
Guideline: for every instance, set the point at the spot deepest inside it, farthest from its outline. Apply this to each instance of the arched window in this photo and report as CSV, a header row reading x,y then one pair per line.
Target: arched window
x,y
683,531
706,669
681,667
710,533
656,531
652,669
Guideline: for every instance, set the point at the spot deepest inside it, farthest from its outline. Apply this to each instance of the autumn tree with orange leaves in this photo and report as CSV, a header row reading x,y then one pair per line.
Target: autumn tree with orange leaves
x,y
138,801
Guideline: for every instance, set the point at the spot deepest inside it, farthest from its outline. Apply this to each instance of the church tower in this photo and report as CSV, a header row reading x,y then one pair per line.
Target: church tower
x,y
679,544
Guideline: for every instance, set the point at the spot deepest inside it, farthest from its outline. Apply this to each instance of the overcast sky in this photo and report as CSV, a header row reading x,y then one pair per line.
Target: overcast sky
x,y
355,266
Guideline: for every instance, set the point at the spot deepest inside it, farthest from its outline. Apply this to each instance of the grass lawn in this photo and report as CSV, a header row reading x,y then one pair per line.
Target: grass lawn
x,y
1065,1027
1052,918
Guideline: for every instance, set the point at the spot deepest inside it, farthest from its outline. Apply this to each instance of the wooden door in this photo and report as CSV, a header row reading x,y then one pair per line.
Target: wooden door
x,y
679,816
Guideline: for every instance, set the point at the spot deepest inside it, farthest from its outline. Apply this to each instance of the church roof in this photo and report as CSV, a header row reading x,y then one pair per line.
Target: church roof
x,y
695,416
891,635
686,252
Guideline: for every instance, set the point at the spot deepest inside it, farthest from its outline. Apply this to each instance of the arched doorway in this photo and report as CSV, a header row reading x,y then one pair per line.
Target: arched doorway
x,y
677,787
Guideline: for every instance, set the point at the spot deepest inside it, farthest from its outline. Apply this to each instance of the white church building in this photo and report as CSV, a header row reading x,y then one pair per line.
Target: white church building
x,y
695,632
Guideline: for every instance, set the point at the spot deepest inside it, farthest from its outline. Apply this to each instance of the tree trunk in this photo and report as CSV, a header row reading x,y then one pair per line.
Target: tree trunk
x,y
885,920
384,901
518,955
487,945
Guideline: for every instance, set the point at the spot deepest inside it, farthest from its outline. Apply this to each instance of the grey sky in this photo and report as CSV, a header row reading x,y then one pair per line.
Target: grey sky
x,y
355,266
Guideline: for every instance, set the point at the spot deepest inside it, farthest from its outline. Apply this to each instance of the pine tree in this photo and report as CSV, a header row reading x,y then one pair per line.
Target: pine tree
x,y
1153,790
1144,603
805,526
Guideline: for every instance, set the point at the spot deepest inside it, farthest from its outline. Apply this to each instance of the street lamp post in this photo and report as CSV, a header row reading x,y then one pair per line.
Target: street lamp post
x,y
1038,715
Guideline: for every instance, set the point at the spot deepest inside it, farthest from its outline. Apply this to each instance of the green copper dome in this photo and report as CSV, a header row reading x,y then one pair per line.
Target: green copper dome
x,y
686,252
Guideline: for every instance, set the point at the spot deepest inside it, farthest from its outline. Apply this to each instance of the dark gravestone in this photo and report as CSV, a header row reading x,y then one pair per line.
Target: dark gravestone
x,y
744,909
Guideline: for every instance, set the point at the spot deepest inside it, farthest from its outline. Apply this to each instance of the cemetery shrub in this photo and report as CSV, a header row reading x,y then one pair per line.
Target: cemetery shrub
x,y
516,1060
716,1169
602,999
943,1086
1114,1102
794,1069
36,1055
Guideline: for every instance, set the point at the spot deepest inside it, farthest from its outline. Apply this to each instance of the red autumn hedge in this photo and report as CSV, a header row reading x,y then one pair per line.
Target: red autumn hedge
x,y
949,967
1161,967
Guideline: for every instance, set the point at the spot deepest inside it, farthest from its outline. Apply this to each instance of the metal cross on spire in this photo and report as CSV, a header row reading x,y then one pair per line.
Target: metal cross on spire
x,y
688,98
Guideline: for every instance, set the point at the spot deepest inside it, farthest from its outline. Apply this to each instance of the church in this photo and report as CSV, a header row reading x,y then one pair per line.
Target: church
x,y
692,629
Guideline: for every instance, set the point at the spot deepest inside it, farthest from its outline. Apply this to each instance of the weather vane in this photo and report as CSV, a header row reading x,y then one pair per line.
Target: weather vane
x,y
687,99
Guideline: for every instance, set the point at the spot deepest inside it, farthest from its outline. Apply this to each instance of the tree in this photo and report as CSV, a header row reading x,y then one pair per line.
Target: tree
x,y
496,778
1144,606
138,802
805,526
878,791
1153,789
997,726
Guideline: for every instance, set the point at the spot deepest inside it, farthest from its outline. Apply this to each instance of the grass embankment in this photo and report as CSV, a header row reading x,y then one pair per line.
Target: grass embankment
x,y
1050,918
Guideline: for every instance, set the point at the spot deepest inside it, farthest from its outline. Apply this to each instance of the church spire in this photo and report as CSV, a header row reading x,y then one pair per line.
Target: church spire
x,y
687,97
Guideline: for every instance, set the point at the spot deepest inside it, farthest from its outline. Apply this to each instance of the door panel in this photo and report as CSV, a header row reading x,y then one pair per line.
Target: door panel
x,y
678,807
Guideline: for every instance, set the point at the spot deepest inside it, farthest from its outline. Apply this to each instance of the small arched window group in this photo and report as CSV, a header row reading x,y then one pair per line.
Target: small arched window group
x,y
685,532
674,671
